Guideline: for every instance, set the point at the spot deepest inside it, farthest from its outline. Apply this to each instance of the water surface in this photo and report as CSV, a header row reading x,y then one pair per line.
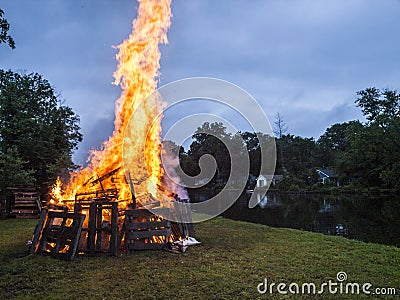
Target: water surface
x,y
367,218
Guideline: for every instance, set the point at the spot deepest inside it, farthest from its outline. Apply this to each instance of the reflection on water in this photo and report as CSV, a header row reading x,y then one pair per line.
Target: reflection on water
x,y
371,219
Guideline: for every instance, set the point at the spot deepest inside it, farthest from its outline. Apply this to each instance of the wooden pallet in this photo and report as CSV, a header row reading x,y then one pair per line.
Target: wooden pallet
x,y
57,234
145,230
26,204
99,236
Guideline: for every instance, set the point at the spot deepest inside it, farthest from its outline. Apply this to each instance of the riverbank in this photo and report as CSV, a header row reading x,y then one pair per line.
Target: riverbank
x,y
337,190
232,260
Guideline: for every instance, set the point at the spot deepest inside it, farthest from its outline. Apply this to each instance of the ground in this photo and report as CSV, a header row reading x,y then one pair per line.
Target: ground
x,y
232,260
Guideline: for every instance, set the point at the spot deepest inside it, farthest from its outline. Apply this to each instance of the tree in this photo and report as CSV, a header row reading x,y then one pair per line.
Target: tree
x,y
253,142
208,139
362,163
279,131
40,132
373,155
337,136
379,107
335,142
300,156
280,126
13,170
4,26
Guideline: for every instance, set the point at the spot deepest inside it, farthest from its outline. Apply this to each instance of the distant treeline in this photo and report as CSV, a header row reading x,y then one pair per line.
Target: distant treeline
x,y
364,155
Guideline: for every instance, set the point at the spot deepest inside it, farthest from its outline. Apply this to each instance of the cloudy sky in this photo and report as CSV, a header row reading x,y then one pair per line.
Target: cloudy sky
x,y
303,58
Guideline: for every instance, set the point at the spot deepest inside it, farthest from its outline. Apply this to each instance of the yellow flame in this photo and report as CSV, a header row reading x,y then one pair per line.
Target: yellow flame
x,y
137,73
56,191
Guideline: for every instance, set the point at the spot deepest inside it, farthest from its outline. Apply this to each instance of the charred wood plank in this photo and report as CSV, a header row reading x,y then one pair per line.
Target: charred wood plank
x,y
114,229
38,231
99,233
145,246
144,212
92,228
147,233
109,174
148,225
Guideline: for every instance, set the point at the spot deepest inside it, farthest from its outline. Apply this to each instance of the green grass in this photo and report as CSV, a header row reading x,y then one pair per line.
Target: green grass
x,y
232,259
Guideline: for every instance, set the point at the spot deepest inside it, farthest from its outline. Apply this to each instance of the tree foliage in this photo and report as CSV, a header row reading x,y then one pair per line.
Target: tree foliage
x,y
5,27
13,170
374,155
365,155
379,107
208,139
35,129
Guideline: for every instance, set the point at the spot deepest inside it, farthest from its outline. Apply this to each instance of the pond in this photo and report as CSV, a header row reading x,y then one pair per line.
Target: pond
x,y
367,218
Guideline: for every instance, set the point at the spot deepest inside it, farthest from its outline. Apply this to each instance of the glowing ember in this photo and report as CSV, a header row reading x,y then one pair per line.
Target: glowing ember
x,y
137,72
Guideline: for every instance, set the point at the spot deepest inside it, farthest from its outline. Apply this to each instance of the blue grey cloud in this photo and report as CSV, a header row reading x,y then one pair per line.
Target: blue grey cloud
x,y
303,58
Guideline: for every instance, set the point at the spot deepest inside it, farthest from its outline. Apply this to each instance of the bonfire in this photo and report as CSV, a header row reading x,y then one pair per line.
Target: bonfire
x,y
105,206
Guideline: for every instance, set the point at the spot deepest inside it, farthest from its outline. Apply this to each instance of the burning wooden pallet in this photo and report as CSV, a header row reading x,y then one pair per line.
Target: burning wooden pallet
x,y
57,234
98,226
99,235
146,230
62,234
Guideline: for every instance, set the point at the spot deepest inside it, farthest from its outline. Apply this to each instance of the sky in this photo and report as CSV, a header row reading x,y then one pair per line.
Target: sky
x,y
305,59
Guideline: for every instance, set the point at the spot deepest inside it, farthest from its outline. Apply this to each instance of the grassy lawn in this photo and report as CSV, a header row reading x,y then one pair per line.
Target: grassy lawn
x,y
232,260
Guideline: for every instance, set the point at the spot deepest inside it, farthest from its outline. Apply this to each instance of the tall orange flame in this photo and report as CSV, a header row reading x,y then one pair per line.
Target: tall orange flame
x,y
137,73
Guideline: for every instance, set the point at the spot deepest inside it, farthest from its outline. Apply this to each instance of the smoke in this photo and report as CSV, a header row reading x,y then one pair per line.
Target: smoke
x,y
171,179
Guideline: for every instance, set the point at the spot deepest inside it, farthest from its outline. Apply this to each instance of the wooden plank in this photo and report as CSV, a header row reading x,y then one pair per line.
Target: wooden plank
x,y
39,205
99,233
57,214
77,236
77,208
27,200
133,204
147,234
27,216
121,236
66,232
148,225
58,231
92,228
114,229
144,212
24,211
22,205
25,195
151,205
43,240
145,246
25,206
38,231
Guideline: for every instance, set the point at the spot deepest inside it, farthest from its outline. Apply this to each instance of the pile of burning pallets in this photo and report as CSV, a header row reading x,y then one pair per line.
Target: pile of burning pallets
x,y
97,226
